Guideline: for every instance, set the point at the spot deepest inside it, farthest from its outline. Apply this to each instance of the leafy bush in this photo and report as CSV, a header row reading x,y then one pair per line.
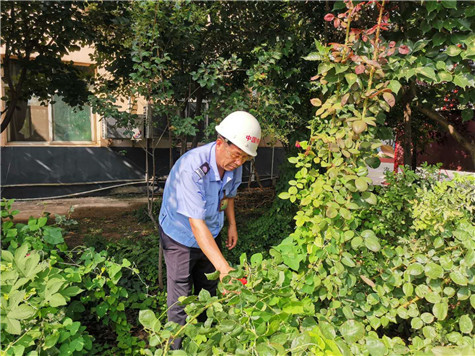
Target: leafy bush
x,y
385,293
52,297
265,226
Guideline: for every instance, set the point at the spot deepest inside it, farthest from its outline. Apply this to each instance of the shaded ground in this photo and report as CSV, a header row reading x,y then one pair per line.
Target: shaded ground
x,y
115,218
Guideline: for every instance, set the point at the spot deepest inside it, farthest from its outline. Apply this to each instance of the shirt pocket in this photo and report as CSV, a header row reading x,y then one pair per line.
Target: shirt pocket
x,y
212,197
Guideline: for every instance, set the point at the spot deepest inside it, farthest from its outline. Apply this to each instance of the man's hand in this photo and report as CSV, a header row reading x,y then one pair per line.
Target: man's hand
x,y
232,237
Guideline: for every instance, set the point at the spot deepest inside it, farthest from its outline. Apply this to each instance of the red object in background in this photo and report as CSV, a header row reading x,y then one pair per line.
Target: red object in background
x,y
243,281
396,152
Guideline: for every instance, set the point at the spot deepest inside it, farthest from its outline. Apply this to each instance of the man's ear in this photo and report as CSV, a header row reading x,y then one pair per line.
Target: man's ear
x,y
219,142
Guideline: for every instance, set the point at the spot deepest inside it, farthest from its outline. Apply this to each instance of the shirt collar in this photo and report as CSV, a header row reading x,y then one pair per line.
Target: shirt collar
x,y
214,167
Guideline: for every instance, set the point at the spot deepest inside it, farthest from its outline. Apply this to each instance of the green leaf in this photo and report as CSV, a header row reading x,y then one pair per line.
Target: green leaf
x,y
394,85
445,76
415,269
345,213
458,278
370,240
361,184
314,56
212,276
51,340
472,301
417,323
375,346
439,38
147,318
13,326
352,331
256,259
428,72
461,81
449,4
440,310
293,308
351,78
21,312
284,195
42,221
57,300
71,291
427,318
53,235
408,289
434,271
466,324
356,242
331,212
431,6
453,51
467,115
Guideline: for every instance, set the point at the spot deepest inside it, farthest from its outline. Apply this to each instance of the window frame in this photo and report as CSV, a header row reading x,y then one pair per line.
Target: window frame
x,y
95,136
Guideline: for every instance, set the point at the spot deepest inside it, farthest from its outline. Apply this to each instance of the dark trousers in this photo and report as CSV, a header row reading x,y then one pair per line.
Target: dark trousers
x,y
186,268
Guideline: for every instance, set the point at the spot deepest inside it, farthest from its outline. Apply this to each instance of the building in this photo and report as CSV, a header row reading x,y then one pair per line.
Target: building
x,y
57,151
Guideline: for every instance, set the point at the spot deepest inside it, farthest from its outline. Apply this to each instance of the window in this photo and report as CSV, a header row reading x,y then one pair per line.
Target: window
x,y
50,123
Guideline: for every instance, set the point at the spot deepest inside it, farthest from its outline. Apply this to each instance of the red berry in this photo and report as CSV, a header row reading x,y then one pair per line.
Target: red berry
x,y
243,281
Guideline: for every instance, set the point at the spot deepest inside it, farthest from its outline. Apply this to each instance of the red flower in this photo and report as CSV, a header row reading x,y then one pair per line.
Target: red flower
x,y
329,17
392,44
297,144
243,281
403,49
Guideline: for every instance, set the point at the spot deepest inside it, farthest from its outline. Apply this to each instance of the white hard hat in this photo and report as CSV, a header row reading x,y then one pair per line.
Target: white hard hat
x,y
243,130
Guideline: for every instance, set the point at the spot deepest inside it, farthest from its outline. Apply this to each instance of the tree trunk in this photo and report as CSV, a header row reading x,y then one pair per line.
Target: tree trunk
x,y
407,142
468,145
199,103
150,178
414,153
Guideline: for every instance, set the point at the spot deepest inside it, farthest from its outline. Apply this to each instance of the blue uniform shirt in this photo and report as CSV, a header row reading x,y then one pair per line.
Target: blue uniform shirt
x,y
194,189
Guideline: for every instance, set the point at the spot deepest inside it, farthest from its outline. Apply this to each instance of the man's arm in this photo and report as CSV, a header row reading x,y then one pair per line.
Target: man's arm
x,y
232,229
209,247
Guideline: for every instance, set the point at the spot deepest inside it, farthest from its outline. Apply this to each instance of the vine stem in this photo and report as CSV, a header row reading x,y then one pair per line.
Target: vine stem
x,y
375,56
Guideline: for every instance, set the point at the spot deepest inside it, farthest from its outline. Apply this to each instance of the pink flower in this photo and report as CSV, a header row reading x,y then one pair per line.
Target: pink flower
x,y
297,144
329,17
403,49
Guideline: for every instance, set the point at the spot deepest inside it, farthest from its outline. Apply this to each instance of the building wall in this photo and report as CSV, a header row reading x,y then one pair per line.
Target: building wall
x,y
45,172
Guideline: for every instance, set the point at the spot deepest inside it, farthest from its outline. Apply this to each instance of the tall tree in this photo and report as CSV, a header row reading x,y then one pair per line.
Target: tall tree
x,y
436,43
36,35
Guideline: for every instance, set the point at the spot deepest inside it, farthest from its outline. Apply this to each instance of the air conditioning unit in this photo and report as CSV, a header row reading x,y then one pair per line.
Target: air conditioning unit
x,y
156,127
112,131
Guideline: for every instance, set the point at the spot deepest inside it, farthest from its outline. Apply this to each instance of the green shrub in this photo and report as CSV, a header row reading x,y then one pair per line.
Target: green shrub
x,y
52,297
264,227
378,292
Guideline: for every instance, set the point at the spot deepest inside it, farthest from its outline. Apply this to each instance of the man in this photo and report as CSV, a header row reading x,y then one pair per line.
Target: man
x,y
200,188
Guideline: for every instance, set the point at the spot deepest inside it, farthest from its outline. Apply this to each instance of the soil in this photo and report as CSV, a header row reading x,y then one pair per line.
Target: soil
x,y
115,218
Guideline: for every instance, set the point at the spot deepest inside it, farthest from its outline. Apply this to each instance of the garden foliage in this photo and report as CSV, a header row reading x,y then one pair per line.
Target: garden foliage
x,y
367,270
53,298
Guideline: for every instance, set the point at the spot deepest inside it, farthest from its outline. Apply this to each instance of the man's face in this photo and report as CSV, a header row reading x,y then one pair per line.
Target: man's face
x,y
229,156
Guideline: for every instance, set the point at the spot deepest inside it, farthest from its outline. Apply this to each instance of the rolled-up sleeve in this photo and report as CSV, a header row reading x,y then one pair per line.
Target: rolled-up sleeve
x,y
190,195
